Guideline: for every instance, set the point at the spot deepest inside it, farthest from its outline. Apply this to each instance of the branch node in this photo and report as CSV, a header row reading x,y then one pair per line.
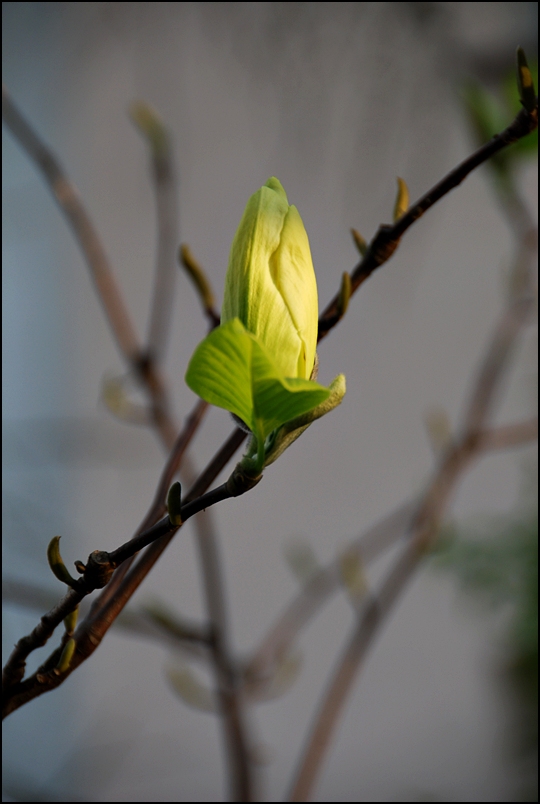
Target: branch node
x,y
99,569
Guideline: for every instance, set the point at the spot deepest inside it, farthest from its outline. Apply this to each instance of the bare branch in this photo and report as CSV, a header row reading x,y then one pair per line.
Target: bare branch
x,y
14,669
495,363
387,238
228,681
345,673
68,199
509,435
165,187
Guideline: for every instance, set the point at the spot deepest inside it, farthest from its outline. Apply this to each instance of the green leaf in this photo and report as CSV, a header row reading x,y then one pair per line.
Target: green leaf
x,y
233,370
220,370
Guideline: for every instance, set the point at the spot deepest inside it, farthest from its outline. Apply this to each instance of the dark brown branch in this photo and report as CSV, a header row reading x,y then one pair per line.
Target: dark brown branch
x,y
381,248
90,633
14,670
387,238
143,566
158,507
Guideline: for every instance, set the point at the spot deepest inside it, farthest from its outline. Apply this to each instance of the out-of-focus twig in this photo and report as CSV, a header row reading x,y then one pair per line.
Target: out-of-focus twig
x,y
284,632
109,295
229,693
313,595
509,435
227,676
68,199
142,361
165,187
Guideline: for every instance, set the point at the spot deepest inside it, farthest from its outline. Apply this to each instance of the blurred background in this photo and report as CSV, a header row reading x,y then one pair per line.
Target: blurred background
x,y
336,100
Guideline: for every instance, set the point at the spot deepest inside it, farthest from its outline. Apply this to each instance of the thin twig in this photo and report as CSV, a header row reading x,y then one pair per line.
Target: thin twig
x,y
142,567
166,192
387,238
96,574
301,610
109,295
380,249
495,362
228,681
68,199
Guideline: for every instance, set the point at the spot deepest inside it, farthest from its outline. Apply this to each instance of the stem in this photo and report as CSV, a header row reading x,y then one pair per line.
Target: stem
x,y
387,238
227,676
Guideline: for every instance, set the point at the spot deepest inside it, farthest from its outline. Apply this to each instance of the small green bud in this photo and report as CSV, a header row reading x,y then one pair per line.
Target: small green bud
x,y
56,563
402,200
70,622
344,294
151,126
66,656
174,504
360,242
525,82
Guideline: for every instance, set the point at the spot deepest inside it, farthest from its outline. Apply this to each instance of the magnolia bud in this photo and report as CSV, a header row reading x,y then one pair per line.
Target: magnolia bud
x,y
270,284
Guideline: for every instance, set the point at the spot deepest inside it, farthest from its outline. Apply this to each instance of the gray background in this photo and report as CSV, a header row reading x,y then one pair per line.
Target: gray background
x,y
335,100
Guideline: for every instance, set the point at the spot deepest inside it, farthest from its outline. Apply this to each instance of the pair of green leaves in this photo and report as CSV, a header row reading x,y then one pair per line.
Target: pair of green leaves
x,y
232,369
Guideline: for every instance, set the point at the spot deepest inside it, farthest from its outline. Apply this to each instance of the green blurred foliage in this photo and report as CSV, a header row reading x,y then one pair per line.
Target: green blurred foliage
x,y
496,562
490,112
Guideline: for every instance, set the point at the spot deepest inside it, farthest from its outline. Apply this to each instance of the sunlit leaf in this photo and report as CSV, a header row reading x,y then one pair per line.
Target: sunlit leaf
x,y
233,370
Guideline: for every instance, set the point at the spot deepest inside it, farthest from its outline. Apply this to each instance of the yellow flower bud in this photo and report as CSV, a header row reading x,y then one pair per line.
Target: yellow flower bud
x,y
270,284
